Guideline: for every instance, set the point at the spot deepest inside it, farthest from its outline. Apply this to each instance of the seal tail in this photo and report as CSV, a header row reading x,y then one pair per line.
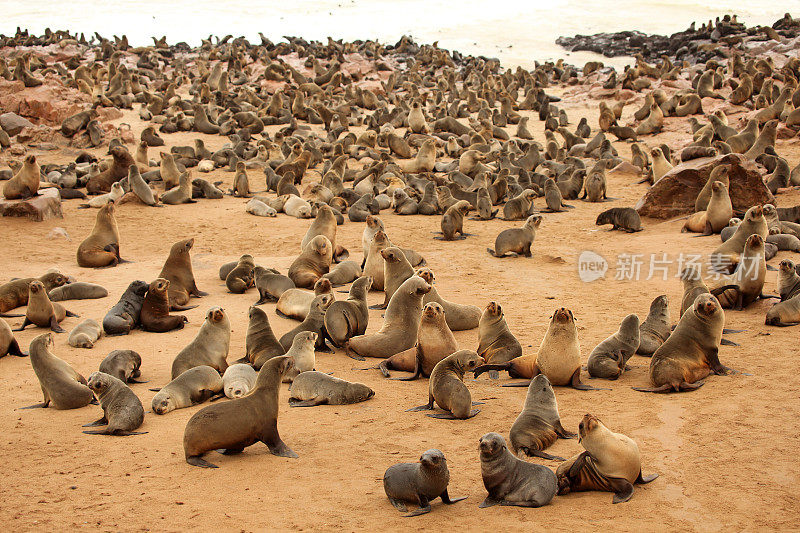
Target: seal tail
x,y
11,315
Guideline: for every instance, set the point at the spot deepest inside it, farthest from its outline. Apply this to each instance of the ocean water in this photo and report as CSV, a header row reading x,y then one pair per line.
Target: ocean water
x,y
516,32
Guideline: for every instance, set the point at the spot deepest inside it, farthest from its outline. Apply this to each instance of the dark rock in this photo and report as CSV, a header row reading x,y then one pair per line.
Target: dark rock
x,y
13,123
43,207
676,192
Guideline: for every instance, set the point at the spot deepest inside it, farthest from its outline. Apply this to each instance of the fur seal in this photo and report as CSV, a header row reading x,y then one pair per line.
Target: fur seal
x,y
453,221
374,263
123,365
194,386
312,263
419,483
558,358
552,196
154,315
745,285
520,207
345,319
122,410
241,277
459,317
656,327
512,481
313,388
101,247
260,342
302,353
126,312
79,290
435,341
343,273
140,188
270,284
295,303
609,359
238,379
717,214
621,218
400,325
726,256
538,426
611,462
516,240
85,334
325,224
25,183
41,311
446,386
314,322
691,351
178,271
396,270
210,346
15,293
496,343
236,424
8,344
62,387
182,193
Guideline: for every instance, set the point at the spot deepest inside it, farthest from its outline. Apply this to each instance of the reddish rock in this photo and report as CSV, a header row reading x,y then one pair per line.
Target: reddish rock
x,y
49,103
676,192
43,207
38,134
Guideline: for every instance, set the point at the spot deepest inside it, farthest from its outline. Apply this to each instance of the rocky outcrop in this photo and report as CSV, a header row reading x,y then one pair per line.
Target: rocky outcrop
x,y
13,123
676,192
43,207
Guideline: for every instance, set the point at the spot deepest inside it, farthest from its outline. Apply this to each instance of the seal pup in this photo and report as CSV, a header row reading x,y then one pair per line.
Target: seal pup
x,y
538,426
453,221
25,183
343,273
553,199
419,483
349,318
325,224
238,379
314,322
101,247
295,303
512,481
692,350
85,334
459,317
8,344
656,327
312,263
126,312
182,193
271,284
609,359
62,387
435,341
192,387
241,277
620,218
178,271
313,388
15,293
79,290
400,324
41,311
154,315
122,410
260,342
611,462
234,425
726,256
516,240
123,365
446,386
745,285
210,346
302,353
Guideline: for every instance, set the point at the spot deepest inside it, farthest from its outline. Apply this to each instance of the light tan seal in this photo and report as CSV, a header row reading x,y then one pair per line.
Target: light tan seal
x,y
101,247
692,350
241,277
349,318
325,224
123,413
194,386
62,387
9,344
317,388
459,317
25,183
312,263
15,293
41,311
234,425
210,346
295,303
611,462
446,386
85,334
517,241
538,426
496,343
656,327
400,325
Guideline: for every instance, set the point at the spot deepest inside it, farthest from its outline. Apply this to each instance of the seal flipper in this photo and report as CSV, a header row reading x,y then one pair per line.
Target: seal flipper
x,y
563,433
280,449
399,505
623,489
645,479
542,454
427,407
488,502
728,342
13,349
575,382
424,507
196,460
306,403
446,498
517,384
70,313
520,504
417,368
450,416
176,307
100,422
24,325
9,315
37,405
54,325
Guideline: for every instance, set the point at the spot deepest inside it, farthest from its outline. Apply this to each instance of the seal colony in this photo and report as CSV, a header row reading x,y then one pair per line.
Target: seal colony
x,y
332,151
